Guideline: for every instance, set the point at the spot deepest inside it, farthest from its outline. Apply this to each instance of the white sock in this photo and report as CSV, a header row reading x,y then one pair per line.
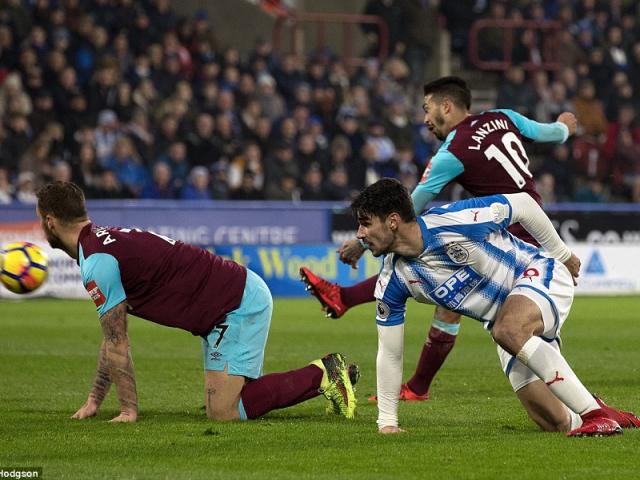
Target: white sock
x,y
549,364
576,420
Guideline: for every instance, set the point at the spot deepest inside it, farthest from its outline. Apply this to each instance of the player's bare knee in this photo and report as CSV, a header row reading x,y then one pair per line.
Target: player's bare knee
x,y
220,414
508,333
446,316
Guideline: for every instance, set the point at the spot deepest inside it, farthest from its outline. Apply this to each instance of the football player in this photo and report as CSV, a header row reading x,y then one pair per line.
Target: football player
x,y
177,285
462,257
484,153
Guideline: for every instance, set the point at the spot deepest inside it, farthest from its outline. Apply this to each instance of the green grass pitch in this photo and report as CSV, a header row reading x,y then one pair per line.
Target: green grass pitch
x,y
473,426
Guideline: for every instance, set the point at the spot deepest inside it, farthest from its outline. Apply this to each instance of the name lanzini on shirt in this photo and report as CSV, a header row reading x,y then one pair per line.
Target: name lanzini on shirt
x,y
485,129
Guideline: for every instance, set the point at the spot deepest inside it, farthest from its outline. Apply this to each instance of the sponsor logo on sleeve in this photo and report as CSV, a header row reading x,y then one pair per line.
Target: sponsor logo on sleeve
x,y
95,293
457,253
383,310
425,175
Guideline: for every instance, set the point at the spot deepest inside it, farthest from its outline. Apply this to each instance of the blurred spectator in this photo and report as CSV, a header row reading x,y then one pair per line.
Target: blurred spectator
x,y
249,160
139,130
312,184
247,189
589,111
590,191
220,181
515,93
109,187
271,103
86,171
545,184
61,172
284,188
397,123
202,148
26,192
106,135
176,157
6,190
103,88
161,185
308,154
382,145
616,55
198,186
548,109
127,166
43,112
18,138
282,162
287,76
337,185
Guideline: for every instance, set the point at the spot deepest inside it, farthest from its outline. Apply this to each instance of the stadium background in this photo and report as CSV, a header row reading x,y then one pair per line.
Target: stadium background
x,y
189,118
245,127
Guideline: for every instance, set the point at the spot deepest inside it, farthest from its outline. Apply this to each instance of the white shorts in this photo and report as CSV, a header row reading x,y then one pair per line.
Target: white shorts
x,y
547,283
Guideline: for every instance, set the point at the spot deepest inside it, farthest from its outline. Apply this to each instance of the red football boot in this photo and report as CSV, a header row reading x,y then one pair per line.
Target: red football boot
x,y
596,423
327,293
625,419
406,395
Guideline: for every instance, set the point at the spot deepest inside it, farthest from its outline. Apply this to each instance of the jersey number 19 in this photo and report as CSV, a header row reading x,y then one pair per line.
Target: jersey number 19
x,y
517,156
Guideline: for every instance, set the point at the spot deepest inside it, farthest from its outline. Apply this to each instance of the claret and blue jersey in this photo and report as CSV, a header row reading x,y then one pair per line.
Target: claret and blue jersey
x,y
485,155
470,262
162,280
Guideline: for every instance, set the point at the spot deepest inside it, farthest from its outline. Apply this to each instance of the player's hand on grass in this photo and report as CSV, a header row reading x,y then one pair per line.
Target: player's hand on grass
x,y
125,417
573,265
569,119
350,252
389,429
89,409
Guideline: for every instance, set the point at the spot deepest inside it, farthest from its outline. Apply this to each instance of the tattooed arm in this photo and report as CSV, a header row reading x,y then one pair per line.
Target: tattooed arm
x,y
100,387
114,366
118,361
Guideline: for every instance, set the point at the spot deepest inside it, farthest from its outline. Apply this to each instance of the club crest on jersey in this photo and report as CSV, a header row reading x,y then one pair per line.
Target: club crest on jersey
x,y
382,310
457,253
530,273
95,293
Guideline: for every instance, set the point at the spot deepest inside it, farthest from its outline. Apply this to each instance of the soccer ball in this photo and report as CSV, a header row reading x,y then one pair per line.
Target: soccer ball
x,y
23,266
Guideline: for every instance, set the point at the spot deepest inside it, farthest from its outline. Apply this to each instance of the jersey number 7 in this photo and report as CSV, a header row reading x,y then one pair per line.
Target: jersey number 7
x,y
517,156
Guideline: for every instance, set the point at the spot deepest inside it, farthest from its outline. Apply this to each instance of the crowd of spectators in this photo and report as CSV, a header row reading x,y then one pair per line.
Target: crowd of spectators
x,y
130,100
598,49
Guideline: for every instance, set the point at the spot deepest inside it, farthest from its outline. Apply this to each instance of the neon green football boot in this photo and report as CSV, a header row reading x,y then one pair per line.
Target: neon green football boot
x,y
337,385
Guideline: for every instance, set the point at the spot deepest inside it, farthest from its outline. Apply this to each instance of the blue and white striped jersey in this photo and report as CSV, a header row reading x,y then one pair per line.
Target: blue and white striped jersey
x,y
469,263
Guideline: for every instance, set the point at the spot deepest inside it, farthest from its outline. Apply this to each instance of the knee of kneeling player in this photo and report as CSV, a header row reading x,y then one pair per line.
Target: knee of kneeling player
x,y
222,414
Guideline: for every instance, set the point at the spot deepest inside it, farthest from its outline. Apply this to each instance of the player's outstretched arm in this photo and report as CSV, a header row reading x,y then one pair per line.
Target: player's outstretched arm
x,y
529,214
119,362
99,390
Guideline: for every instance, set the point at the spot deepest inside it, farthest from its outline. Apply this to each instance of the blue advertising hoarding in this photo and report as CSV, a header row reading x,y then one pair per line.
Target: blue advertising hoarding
x,y
280,265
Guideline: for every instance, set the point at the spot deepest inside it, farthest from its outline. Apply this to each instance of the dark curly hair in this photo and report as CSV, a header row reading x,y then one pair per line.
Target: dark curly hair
x,y
454,88
383,198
